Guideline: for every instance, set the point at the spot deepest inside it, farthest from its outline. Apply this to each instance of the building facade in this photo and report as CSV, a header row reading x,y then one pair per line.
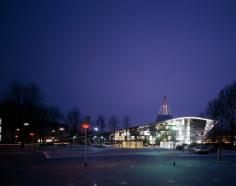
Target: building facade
x,y
167,133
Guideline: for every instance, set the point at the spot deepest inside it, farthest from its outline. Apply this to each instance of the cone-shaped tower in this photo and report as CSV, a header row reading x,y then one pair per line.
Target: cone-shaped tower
x,y
164,112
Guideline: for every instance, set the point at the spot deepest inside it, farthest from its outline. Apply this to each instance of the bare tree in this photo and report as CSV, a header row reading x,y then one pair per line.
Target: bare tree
x,y
54,114
113,122
21,103
126,124
88,119
101,123
74,119
223,109
227,98
25,98
214,112
32,95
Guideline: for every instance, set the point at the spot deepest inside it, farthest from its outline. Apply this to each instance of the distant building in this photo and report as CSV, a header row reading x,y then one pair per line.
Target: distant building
x,y
182,130
164,111
166,130
29,130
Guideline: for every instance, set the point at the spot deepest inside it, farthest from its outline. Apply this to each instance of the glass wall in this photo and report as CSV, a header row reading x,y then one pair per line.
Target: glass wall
x,y
185,130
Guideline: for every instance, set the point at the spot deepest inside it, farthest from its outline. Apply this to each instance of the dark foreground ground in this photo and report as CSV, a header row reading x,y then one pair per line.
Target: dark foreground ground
x,y
148,167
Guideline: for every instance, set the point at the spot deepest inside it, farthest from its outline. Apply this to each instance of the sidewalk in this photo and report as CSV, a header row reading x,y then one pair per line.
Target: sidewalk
x,y
76,152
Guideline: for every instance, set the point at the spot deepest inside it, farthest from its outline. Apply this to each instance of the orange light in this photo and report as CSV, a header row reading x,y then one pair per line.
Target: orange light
x,y
85,125
31,134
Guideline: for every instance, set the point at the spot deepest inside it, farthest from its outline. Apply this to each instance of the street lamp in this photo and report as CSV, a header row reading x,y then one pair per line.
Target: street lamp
x,y
60,133
24,133
32,134
174,128
74,137
61,129
96,131
26,124
85,126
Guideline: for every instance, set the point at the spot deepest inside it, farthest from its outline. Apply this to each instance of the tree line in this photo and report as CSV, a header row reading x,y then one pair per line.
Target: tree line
x,y
26,102
222,110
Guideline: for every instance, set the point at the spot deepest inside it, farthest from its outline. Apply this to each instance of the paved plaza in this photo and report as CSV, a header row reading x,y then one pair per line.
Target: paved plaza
x,y
112,166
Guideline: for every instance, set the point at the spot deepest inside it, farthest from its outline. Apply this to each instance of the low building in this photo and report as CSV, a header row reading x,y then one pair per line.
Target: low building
x,y
178,131
17,131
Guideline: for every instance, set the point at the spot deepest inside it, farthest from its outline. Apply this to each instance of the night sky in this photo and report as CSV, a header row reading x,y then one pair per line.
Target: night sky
x,y
120,57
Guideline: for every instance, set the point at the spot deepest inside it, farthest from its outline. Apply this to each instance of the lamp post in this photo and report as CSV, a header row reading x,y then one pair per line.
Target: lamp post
x,y
96,131
24,133
26,124
74,137
61,130
32,134
85,126
174,128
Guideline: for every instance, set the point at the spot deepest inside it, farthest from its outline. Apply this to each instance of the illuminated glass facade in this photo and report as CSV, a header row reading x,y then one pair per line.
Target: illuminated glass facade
x,y
187,130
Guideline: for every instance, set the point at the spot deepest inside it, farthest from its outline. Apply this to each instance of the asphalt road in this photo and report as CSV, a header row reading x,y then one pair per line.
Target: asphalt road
x,y
136,169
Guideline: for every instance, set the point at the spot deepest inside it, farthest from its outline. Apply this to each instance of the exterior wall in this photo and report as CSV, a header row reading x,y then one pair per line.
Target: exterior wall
x,y
187,130
132,144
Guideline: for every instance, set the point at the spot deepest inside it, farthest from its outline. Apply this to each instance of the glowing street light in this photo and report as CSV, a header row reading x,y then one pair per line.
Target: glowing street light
x,y
85,126
74,137
61,129
26,124
31,134
96,129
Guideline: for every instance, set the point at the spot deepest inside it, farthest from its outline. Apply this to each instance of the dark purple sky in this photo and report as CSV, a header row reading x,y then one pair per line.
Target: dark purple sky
x,y
121,57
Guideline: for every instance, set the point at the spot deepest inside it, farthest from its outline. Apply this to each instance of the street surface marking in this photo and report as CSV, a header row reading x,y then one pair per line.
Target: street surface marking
x,y
123,183
47,156
171,181
216,180
70,184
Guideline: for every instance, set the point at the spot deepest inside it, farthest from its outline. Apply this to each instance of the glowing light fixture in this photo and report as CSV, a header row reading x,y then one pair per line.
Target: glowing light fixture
x,y
26,124
61,129
31,134
96,128
85,125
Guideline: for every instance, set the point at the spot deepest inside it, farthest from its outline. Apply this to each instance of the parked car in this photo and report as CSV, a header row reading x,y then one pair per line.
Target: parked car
x,y
201,149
